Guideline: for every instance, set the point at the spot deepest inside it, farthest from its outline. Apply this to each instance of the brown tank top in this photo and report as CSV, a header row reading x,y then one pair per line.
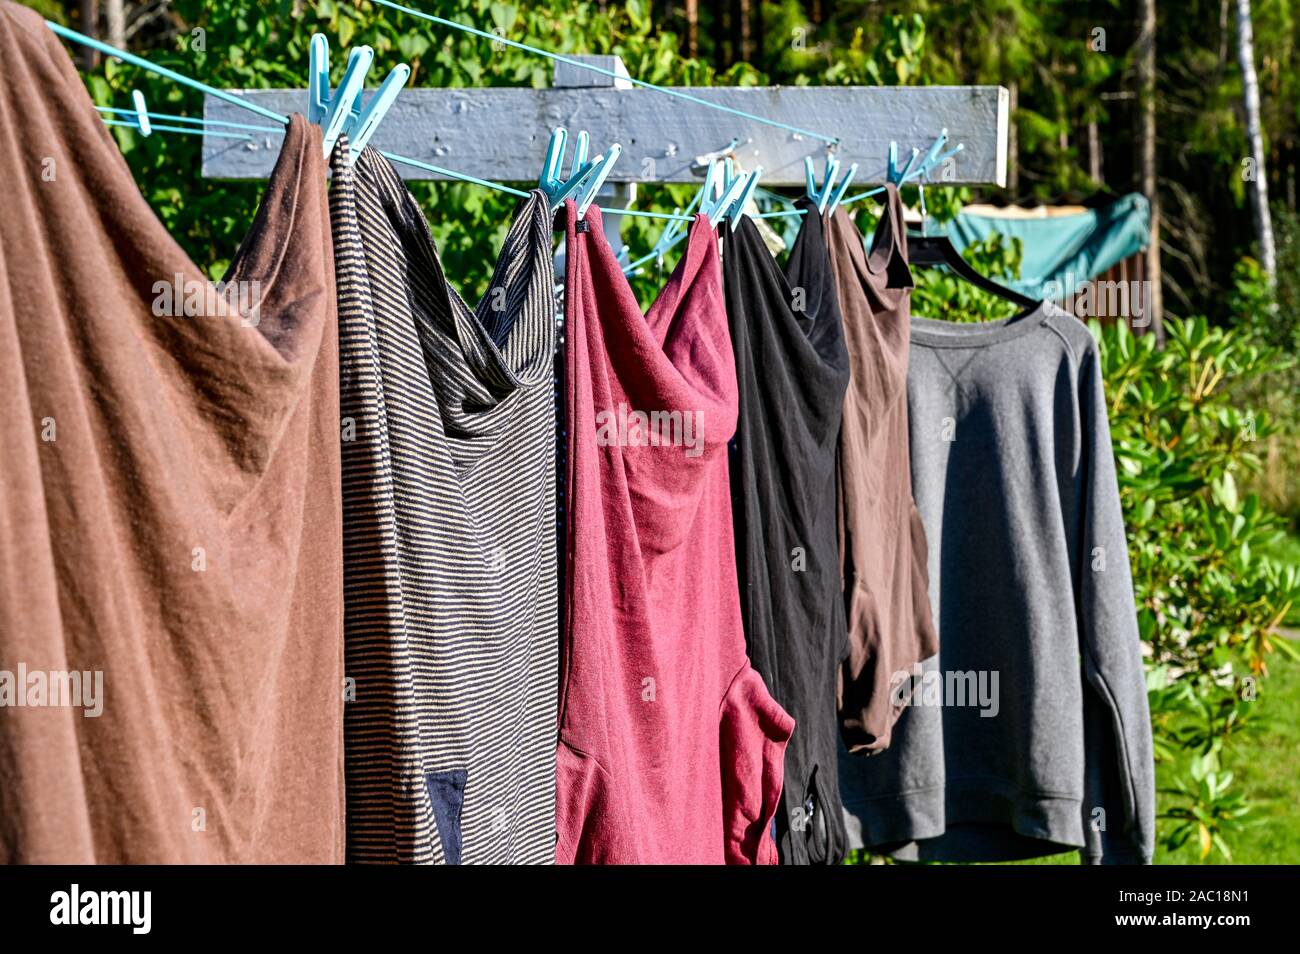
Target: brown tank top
x,y
882,541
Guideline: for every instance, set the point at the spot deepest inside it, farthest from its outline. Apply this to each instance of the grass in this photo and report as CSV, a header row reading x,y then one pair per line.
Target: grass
x,y
1266,765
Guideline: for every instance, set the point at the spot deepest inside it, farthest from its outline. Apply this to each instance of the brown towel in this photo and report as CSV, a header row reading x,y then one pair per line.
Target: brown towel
x,y
882,542
170,514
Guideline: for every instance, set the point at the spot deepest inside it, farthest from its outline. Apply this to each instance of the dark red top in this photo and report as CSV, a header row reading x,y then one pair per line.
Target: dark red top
x,y
670,747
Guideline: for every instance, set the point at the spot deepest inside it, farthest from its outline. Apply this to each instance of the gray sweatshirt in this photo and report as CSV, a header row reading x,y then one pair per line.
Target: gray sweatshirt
x,y
1028,734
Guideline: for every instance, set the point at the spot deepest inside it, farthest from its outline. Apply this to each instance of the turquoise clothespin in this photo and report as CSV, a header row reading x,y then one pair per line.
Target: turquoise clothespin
x,y
734,189
596,178
737,210
729,174
892,172
580,147
557,189
823,195
722,186
932,154
579,169
340,114
549,180
368,121
842,188
318,78
712,193
141,113
934,157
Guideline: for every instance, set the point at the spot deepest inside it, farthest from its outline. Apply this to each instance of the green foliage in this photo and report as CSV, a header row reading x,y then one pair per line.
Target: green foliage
x,y
1271,313
1209,599
940,294
50,9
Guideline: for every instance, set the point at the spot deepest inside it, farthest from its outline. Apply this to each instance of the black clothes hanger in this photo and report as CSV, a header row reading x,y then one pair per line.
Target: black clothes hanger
x,y
939,250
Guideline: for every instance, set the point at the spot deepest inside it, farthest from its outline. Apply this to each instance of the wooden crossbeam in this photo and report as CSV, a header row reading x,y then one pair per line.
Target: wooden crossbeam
x,y
501,133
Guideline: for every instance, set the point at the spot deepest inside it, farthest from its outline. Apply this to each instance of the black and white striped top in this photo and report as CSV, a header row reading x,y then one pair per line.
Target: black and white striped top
x,y
449,544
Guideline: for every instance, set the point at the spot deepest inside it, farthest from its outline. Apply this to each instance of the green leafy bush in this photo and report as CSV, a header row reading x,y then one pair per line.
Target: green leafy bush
x,y
1208,599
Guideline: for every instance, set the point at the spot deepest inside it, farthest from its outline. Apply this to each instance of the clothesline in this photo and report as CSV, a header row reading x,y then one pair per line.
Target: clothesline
x,y
239,101
591,67
80,38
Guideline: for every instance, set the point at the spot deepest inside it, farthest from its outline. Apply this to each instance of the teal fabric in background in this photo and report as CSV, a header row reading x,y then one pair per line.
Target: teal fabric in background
x,y
1064,249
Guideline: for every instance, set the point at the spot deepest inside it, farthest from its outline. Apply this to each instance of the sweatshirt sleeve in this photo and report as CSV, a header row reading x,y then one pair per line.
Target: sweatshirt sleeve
x,y
755,730
1119,805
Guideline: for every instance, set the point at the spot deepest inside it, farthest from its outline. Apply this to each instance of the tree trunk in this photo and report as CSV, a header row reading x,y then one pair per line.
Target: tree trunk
x,y
1255,137
1223,36
90,27
1013,143
115,22
743,15
1146,138
692,28
1094,153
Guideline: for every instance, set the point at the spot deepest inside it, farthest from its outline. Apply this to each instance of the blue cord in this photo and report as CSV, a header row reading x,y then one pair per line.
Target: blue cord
x,y
189,130
454,175
495,38
190,119
134,60
864,195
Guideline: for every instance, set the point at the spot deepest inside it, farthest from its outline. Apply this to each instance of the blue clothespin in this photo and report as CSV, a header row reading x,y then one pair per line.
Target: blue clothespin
x,y
737,210
549,179
934,157
838,195
341,112
318,78
141,113
596,178
829,195
580,146
932,154
714,198
729,174
368,121
892,172
580,170
557,189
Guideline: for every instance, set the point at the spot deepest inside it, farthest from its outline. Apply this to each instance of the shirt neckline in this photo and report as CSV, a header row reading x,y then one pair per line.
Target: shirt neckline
x,y
935,333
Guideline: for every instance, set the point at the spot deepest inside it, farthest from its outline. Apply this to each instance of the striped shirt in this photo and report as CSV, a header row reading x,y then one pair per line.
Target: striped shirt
x,y
449,547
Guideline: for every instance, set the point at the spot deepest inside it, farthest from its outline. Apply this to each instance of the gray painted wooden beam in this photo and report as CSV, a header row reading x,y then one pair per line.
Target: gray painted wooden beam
x,y
501,133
